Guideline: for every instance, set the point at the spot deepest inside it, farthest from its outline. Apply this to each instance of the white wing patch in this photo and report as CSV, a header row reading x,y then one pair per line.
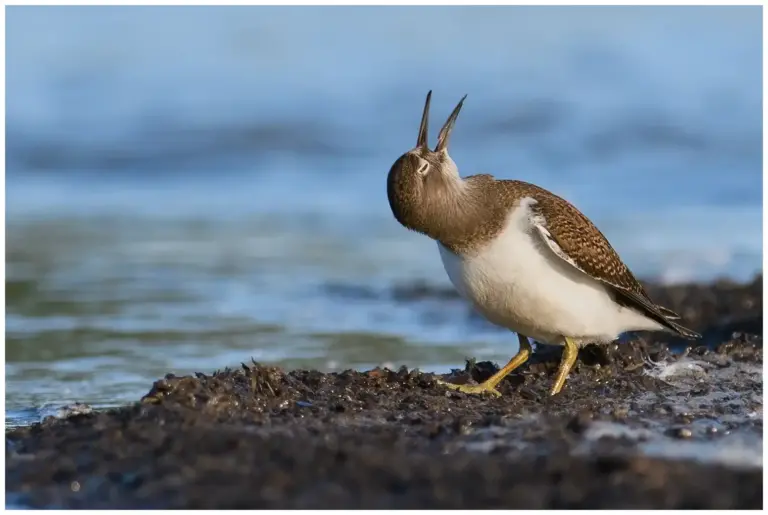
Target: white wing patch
x,y
539,225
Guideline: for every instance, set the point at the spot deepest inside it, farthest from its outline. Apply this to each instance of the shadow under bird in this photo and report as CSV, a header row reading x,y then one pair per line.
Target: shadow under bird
x,y
525,258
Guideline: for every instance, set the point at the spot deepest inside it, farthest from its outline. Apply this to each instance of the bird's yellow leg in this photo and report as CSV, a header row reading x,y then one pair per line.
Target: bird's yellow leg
x,y
489,385
570,352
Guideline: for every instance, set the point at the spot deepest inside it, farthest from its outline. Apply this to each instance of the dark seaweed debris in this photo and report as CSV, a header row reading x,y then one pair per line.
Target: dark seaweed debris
x,y
258,437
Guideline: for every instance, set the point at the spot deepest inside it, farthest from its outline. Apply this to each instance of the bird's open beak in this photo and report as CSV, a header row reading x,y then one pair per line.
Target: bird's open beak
x,y
445,132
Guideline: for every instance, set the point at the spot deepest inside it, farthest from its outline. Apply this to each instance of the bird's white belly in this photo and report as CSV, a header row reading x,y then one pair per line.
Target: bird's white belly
x,y
515,281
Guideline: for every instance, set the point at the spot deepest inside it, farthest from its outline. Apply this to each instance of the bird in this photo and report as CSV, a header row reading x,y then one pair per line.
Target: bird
x,y
523,257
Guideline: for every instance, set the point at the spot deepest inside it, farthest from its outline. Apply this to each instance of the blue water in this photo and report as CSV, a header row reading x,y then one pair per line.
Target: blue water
x,y
184,183
649,119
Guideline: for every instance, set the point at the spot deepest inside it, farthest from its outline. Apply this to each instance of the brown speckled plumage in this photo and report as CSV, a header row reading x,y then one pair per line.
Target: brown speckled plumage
x,y
464,215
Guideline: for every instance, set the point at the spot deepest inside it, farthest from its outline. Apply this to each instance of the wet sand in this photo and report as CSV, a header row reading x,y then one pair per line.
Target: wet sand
x,y
261,437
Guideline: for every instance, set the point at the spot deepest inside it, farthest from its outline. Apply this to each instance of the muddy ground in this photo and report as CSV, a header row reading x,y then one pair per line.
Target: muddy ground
x,y
261,437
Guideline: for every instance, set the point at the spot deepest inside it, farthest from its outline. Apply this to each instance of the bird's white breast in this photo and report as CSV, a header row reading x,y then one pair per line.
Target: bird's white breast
x,y
518,282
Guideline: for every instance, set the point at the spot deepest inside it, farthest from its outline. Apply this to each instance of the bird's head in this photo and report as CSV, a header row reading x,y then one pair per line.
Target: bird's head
x,y
422,177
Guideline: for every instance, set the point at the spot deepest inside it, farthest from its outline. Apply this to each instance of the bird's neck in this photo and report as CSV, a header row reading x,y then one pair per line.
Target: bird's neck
x,y
451,208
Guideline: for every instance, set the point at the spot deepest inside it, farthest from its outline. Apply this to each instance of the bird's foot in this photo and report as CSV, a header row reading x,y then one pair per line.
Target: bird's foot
x,y
485,387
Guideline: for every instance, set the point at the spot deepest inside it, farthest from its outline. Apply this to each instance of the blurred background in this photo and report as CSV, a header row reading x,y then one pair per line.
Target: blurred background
x,y
191,187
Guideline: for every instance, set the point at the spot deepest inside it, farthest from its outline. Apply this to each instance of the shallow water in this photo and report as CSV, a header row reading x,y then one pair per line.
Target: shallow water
x,y
214,191
97,311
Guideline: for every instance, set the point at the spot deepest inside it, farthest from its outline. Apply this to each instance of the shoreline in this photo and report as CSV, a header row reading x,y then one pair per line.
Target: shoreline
x,y
260,437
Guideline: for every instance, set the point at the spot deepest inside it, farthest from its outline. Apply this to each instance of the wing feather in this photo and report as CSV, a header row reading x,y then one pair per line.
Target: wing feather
x,y
572,237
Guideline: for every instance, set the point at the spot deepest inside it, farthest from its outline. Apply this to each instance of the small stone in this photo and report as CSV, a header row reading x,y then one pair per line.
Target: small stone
x,y
680,432
462,426
528,394
434,430
376,372
580,422
621,413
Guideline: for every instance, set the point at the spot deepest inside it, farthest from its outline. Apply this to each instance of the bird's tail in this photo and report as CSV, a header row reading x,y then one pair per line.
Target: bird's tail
x,y
668,313
669,316
682,331
664,316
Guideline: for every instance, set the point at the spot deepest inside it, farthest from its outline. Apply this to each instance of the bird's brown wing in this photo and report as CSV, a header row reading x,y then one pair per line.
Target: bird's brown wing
x,y
576,240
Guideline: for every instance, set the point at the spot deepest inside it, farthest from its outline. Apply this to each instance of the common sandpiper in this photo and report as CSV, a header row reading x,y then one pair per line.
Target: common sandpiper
x,y
525,258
